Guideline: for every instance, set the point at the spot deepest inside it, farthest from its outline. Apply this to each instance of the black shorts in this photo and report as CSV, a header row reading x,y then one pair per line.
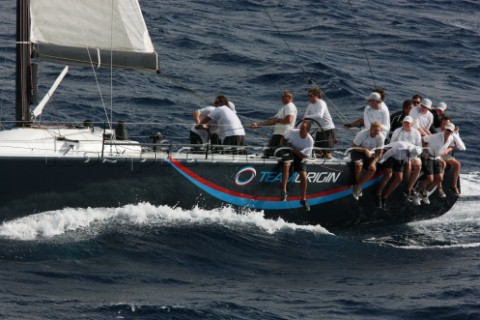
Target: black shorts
x,y
273,145
195,138
298,165
360,156
394,164
215,139
325,139
432,167
234,141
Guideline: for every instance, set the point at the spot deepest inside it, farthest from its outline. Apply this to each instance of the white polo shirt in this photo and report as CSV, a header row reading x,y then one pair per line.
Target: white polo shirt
x,y
286,110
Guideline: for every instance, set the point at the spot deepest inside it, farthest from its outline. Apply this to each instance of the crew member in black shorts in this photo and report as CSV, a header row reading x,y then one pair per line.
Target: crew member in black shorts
x,y
301,144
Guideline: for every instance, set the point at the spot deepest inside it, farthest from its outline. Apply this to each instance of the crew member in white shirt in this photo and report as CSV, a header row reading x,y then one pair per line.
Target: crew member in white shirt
x,y
450,159
412,167
230,126
205,133
209,132
438,145
317,110
377,111
394,160
423,117
368,147
301,143
283,121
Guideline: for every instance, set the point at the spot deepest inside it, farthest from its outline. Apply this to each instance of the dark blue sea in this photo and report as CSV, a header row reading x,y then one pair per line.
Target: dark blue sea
x,y
147,262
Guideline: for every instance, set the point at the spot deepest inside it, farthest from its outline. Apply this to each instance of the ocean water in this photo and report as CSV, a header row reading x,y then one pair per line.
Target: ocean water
x,y
146,262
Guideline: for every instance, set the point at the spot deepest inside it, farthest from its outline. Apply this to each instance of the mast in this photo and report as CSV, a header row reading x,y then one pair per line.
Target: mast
x,y
23,83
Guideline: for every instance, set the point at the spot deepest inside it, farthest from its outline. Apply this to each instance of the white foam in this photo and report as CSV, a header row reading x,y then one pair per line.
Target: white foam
x,y
442,247
470,183
55,223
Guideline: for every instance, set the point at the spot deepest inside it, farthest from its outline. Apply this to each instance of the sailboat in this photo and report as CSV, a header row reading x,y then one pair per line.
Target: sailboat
x,y
46,168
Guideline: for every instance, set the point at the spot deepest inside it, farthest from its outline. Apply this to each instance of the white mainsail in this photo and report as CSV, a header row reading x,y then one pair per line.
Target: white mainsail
x,y
102,32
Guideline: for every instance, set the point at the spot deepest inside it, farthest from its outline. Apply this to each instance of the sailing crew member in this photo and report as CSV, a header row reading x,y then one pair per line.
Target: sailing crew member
x,y
408,133
283,121
394,160
438,114
368,145
301,143
396,119
416,100
360,122
208,132
438,146
423,117
205,133
375,111
450,159
231,129
317,110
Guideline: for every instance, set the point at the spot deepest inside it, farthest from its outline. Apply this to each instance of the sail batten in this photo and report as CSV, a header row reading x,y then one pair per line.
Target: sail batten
x,y
99,32
96,56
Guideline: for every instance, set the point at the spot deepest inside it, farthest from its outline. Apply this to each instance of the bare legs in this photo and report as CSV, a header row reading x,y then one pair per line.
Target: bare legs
x,y
359,179
412,172
285,171
303,180
455,164
393,184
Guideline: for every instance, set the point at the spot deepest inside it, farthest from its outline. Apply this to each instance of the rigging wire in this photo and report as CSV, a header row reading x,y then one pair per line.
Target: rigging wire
x,y
305,74
300,65
2,89
96,81
95,75
363,44
183,86
111,63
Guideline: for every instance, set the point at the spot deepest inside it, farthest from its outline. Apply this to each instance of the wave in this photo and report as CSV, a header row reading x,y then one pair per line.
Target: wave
x,y
91,221
470,183
458,229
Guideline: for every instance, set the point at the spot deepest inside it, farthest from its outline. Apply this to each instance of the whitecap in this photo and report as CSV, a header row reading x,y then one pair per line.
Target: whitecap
x,y
91,220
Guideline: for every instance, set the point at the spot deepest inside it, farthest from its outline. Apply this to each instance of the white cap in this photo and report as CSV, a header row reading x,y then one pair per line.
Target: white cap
x,y
450,126
427,103
375,96
231,106
415,151
408,119
442,106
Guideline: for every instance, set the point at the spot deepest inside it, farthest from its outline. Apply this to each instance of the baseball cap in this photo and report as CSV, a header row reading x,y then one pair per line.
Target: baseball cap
x,y
442,106
375,96
450,126
427,103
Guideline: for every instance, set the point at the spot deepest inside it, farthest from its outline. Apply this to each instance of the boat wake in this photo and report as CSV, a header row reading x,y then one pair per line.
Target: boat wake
x,y
459,228
91,221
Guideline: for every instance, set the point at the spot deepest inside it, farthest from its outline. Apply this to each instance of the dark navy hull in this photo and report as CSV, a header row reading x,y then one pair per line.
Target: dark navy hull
x,y
54,183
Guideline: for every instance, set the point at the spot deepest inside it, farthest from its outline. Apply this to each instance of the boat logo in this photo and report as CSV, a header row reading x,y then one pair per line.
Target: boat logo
x,y
245,176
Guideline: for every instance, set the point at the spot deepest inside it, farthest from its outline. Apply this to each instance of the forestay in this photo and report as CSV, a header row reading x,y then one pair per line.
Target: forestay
x,y
102,32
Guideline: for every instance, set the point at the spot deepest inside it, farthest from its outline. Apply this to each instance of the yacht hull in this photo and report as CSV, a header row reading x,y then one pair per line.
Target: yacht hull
x,y
53,183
